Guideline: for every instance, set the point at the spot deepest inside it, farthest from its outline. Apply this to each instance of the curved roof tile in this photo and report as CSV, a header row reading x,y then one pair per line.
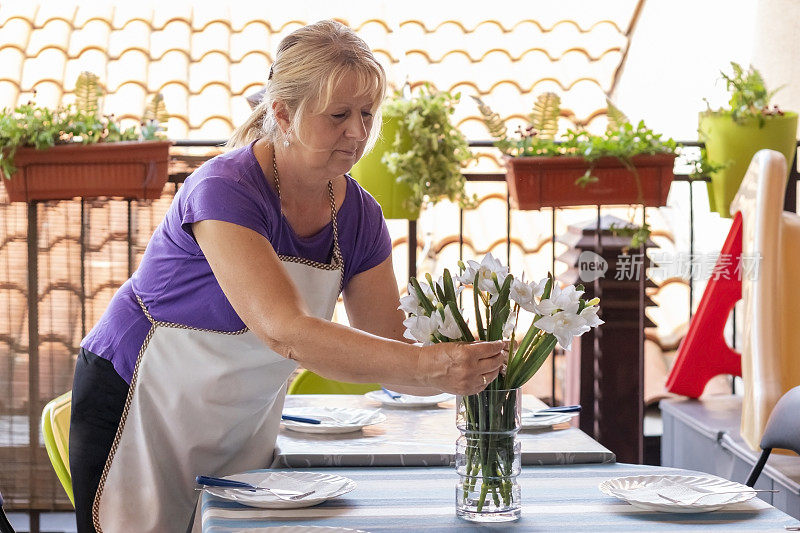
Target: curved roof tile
x,y
222,50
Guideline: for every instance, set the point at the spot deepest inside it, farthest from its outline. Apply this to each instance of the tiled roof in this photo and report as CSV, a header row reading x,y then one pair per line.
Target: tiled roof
x,y
206,57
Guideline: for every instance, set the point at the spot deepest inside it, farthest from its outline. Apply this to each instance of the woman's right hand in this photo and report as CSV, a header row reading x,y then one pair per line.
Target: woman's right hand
x,y
461,368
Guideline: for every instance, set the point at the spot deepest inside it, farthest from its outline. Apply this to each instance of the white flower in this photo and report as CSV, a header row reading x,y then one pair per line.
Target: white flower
x,y
566,299
420,329
490,266
447,326
564,325
426,290
410,304
508,327
590,315
467,277
521,292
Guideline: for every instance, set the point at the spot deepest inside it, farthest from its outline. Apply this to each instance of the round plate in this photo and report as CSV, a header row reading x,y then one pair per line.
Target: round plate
x,y
307,529
407,400
326,486
334,419
543,422
641,491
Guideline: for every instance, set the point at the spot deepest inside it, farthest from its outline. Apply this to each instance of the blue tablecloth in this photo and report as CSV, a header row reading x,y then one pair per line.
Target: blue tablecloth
x,y
555,498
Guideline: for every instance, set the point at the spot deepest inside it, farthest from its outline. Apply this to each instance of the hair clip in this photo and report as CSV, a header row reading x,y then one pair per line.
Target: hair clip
x,y
270,73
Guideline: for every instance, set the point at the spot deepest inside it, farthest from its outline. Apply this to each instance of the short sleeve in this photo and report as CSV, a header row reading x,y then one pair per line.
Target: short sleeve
x,y
225,199
375,243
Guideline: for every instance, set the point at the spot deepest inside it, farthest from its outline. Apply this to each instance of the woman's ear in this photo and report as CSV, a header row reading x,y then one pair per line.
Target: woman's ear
x,y
281,115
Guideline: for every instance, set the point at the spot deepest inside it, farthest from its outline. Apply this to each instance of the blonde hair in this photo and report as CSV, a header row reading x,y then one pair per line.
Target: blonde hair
x,y
309,64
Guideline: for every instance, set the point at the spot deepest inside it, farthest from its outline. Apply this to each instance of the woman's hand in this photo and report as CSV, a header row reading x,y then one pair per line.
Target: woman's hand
x,y
461,368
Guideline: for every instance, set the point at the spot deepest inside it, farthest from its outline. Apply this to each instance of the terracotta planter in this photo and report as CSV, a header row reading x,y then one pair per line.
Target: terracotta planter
x,y
536,182
128,169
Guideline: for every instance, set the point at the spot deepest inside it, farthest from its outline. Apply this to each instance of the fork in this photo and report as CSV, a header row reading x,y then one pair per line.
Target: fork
x,y
698,498
289,495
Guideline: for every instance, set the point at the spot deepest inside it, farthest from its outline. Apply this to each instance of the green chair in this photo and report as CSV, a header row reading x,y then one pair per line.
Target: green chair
x,y
55,429
307,382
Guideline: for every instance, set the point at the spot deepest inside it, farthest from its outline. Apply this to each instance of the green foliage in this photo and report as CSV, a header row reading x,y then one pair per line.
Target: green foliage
x,y
702,168
616,118
88,93
544,117
621,139
495,125
155,119
431,163
749,97
42,128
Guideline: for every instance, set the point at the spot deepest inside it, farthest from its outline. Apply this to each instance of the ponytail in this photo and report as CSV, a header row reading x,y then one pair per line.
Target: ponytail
x,y
252,129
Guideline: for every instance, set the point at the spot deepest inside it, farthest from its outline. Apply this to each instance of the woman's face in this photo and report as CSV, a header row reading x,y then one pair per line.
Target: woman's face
x,y
334,139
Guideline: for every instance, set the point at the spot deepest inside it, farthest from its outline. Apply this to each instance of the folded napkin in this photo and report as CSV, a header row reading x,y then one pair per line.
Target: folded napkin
x,y
677,491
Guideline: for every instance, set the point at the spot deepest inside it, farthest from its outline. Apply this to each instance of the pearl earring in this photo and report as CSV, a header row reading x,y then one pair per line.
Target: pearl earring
x,y
286,139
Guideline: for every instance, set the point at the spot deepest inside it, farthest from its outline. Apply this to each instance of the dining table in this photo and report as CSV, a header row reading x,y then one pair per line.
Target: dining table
x,y
554,498
418,436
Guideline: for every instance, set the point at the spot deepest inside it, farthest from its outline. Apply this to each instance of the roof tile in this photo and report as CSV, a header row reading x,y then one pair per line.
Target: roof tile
x,y
213,68
15,32
214,37
135,34
12,60
54,34
172,67
225,48
93,11
250,72
175,35
92,60
253,37
94,34
48,65
132,66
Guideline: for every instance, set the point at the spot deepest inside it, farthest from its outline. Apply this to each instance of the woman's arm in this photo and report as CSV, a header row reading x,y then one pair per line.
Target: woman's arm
x,y
263,295
371,299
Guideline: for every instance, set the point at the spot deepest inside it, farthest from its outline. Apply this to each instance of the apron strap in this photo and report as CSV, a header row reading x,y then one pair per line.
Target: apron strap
x,y
144,308
337,253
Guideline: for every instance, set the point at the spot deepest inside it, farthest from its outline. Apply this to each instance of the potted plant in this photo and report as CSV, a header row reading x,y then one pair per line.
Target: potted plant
x,y
73,151
626,165
419,156
733,136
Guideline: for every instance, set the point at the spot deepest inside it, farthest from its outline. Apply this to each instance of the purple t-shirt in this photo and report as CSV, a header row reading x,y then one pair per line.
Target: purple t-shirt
x,y
174,278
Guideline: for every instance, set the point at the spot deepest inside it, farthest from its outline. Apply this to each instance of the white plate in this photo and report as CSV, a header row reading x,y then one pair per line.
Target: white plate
x,y
305,529
325,487
527,421
640,491
407,400
334,419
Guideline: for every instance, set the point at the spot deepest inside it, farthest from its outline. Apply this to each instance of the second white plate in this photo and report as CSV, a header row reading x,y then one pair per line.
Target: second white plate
x,y
333,419
642,492
325,486
407,400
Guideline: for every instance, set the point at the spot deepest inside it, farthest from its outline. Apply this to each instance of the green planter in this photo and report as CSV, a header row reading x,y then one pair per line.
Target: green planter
x,y
379,182
735,144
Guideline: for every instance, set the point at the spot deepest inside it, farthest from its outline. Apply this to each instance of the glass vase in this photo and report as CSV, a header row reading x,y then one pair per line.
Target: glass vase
x,y
488,456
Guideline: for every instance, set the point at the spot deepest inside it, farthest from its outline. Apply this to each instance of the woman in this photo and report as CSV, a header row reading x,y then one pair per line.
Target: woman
x,y
185,373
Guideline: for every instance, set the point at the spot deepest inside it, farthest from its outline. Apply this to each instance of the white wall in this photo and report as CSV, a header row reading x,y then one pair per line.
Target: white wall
x,y
674,59
776,49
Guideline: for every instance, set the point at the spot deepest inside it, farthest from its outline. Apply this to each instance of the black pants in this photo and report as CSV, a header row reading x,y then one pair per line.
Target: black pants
x,y
98,398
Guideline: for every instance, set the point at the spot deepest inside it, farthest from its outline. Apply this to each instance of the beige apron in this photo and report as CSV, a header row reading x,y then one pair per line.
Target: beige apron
x,y
200,402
